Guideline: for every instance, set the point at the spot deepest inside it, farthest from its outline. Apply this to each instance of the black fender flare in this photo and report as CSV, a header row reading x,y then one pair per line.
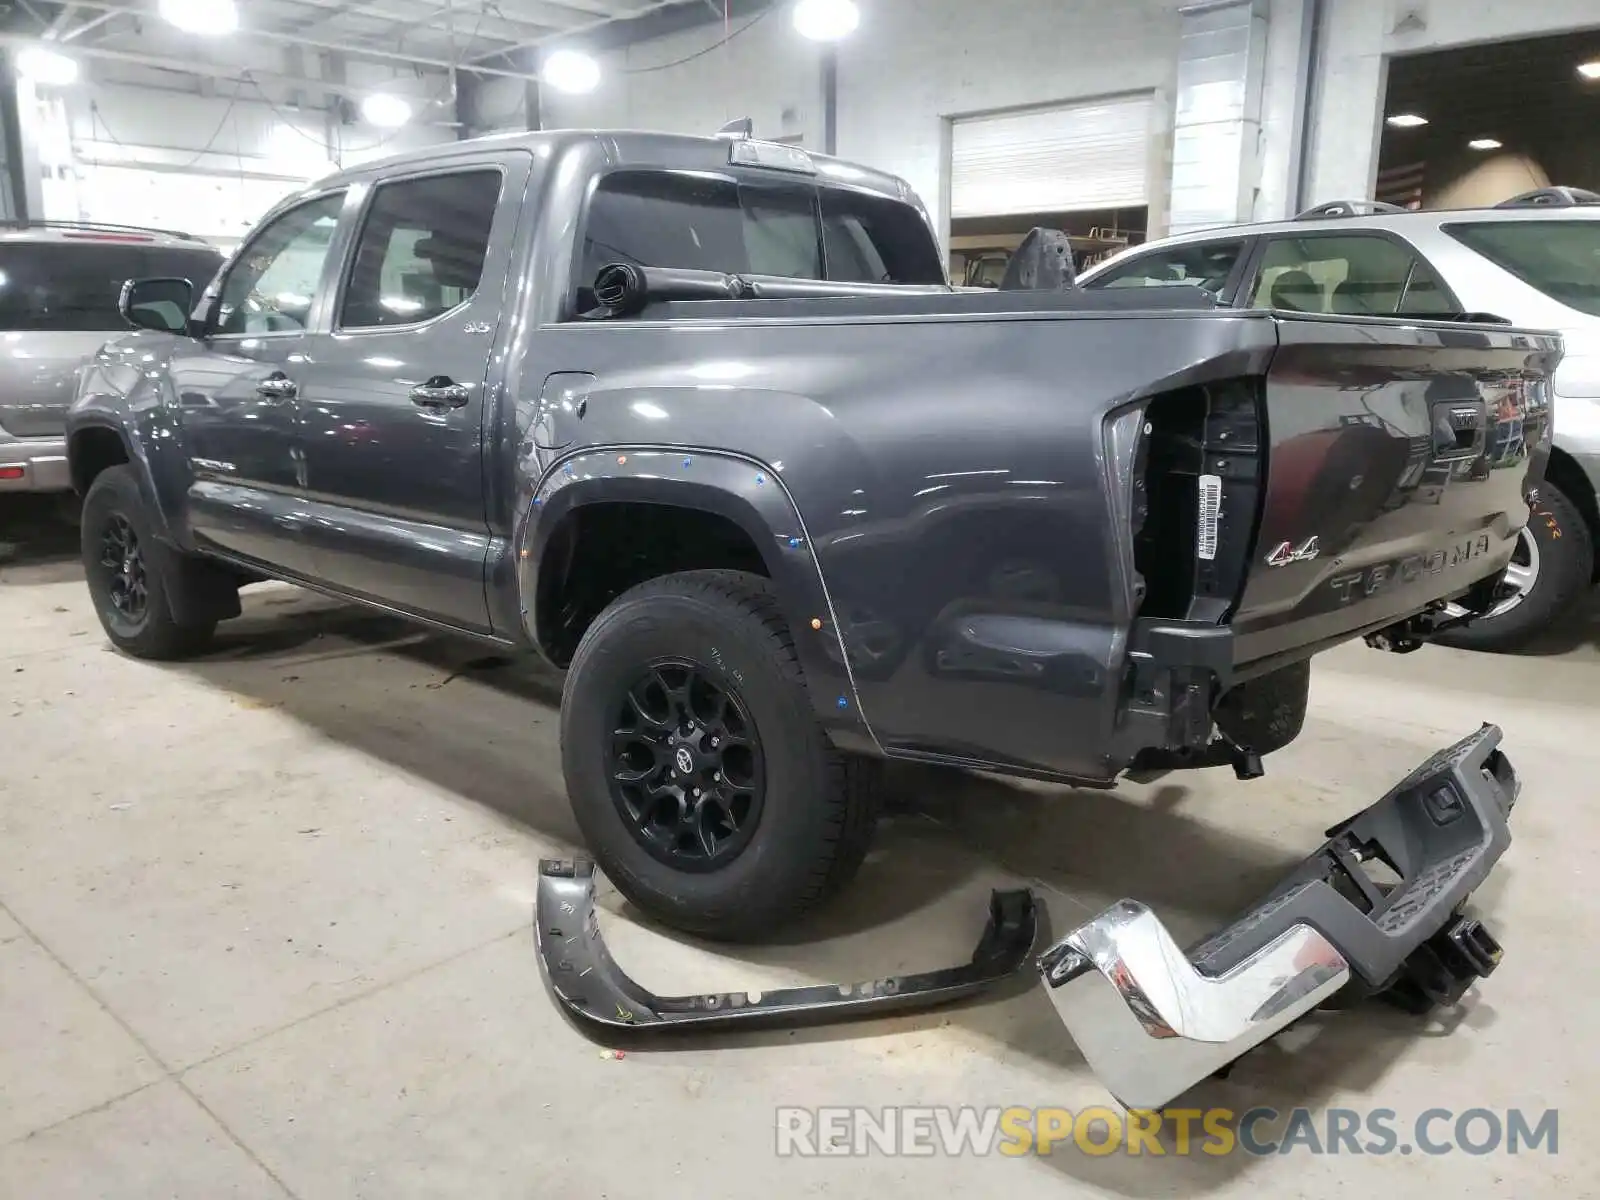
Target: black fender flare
x,y
741,489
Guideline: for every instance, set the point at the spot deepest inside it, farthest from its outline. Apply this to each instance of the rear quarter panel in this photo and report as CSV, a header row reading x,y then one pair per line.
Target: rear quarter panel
x,y
953,481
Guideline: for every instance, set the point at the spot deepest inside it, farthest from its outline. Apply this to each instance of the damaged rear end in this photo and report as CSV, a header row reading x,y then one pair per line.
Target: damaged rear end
x,y
1372,482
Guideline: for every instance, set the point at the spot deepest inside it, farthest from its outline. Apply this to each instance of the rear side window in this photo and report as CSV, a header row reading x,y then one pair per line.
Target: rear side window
x,y
422,249
666,219
872,239
1352,275
62,286
1559,258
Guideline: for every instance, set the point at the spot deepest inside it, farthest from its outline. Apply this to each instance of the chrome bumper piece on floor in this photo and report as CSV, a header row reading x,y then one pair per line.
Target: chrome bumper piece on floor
x,y
1154,1020
1151,1026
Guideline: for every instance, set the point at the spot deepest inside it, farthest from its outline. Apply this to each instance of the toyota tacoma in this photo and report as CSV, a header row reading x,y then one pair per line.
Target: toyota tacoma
x,y
701,422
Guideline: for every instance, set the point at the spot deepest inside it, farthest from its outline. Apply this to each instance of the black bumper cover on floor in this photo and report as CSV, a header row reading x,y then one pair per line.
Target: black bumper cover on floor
x,y
600,996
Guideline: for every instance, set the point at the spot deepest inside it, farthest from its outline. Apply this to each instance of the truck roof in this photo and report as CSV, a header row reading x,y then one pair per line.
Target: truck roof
x,y
630,147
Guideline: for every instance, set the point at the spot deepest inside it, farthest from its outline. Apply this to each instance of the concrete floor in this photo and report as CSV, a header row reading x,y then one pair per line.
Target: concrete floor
x,y
265,931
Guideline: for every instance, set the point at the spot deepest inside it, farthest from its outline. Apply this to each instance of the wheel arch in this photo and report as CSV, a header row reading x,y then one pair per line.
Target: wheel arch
x,y
1564,474
740,508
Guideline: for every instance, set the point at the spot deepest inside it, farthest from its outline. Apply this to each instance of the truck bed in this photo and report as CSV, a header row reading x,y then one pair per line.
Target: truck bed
x,y
1041,519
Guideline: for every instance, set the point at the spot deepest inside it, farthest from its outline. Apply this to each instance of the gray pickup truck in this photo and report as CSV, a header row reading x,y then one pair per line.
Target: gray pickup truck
x,y
699,421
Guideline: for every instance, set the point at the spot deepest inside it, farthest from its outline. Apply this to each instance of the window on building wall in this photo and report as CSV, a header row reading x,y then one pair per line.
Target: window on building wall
x,y
422,249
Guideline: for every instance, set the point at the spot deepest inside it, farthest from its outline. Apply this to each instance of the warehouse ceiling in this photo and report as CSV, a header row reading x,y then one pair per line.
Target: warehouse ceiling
x,y
491,37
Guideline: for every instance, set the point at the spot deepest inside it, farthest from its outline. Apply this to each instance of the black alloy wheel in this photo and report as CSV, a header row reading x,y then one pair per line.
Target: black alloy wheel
x,y
687,772
122,561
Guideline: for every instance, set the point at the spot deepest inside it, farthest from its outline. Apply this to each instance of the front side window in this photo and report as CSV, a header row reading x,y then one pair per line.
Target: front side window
x,y
1351,275
1205,265
1559,258
62,286
422,249
712,223
272,284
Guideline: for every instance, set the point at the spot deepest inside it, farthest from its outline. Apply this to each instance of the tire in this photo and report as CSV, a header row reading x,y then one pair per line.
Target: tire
x,y
114,514
1559,546
802,830
1266,713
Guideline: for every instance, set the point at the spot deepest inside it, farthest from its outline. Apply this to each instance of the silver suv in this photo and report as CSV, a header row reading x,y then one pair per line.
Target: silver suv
x,y
1534,260
59,288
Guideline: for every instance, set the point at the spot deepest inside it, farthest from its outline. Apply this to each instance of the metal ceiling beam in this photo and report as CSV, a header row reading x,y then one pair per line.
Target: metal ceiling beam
x,y
489,18
363,52
91,24
638,15
180,66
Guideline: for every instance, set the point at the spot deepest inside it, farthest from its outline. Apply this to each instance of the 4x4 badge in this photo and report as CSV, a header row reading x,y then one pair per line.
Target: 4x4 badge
x,y
1288,552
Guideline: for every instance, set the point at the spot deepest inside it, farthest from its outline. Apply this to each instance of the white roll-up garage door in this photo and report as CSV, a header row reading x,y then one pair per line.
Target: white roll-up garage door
x,y
1065,159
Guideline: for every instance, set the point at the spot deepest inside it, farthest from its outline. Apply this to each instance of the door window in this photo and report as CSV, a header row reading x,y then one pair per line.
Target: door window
x,y
1205,265
422,249
272,284
1352,275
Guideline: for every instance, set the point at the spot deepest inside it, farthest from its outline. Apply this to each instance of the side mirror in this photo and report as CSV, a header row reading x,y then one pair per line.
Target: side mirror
x,y
159,304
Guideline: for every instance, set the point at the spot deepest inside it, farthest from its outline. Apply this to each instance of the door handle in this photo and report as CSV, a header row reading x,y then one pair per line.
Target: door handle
x,y
278,387
441,392
1458,429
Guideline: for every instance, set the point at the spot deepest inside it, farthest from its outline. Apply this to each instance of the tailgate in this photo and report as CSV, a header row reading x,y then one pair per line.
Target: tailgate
x,y
1398,459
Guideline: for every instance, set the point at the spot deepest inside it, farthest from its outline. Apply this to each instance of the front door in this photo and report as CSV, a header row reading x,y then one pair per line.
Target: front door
x,y
236,391
393,400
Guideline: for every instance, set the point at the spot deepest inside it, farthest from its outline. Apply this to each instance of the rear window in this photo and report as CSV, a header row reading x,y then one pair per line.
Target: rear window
x,y
710,223
1559,258
56,286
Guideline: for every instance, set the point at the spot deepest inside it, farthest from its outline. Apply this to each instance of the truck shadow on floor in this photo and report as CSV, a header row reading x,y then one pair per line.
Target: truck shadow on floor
x,y
485,728
38,539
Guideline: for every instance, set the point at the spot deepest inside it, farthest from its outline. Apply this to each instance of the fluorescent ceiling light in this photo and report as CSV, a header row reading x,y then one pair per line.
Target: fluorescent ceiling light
x,y
1590,70
826,20
1484,144
209,18
385,111
570,71
46,66
1407,120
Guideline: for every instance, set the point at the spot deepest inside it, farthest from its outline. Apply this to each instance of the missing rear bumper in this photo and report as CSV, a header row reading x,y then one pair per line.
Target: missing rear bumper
x,y
600,996
1154,1020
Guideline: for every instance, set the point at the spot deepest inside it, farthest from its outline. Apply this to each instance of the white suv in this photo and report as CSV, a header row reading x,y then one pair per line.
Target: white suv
x,y
1534,261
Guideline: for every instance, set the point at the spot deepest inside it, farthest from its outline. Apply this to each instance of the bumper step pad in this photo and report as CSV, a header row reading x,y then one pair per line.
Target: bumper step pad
x,y
1153,1020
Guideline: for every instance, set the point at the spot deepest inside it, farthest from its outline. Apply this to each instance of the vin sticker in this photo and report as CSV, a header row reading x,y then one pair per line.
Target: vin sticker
x,y
1210,511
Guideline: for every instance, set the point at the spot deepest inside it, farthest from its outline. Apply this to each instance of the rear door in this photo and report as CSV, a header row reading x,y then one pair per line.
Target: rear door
x,y
395,398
